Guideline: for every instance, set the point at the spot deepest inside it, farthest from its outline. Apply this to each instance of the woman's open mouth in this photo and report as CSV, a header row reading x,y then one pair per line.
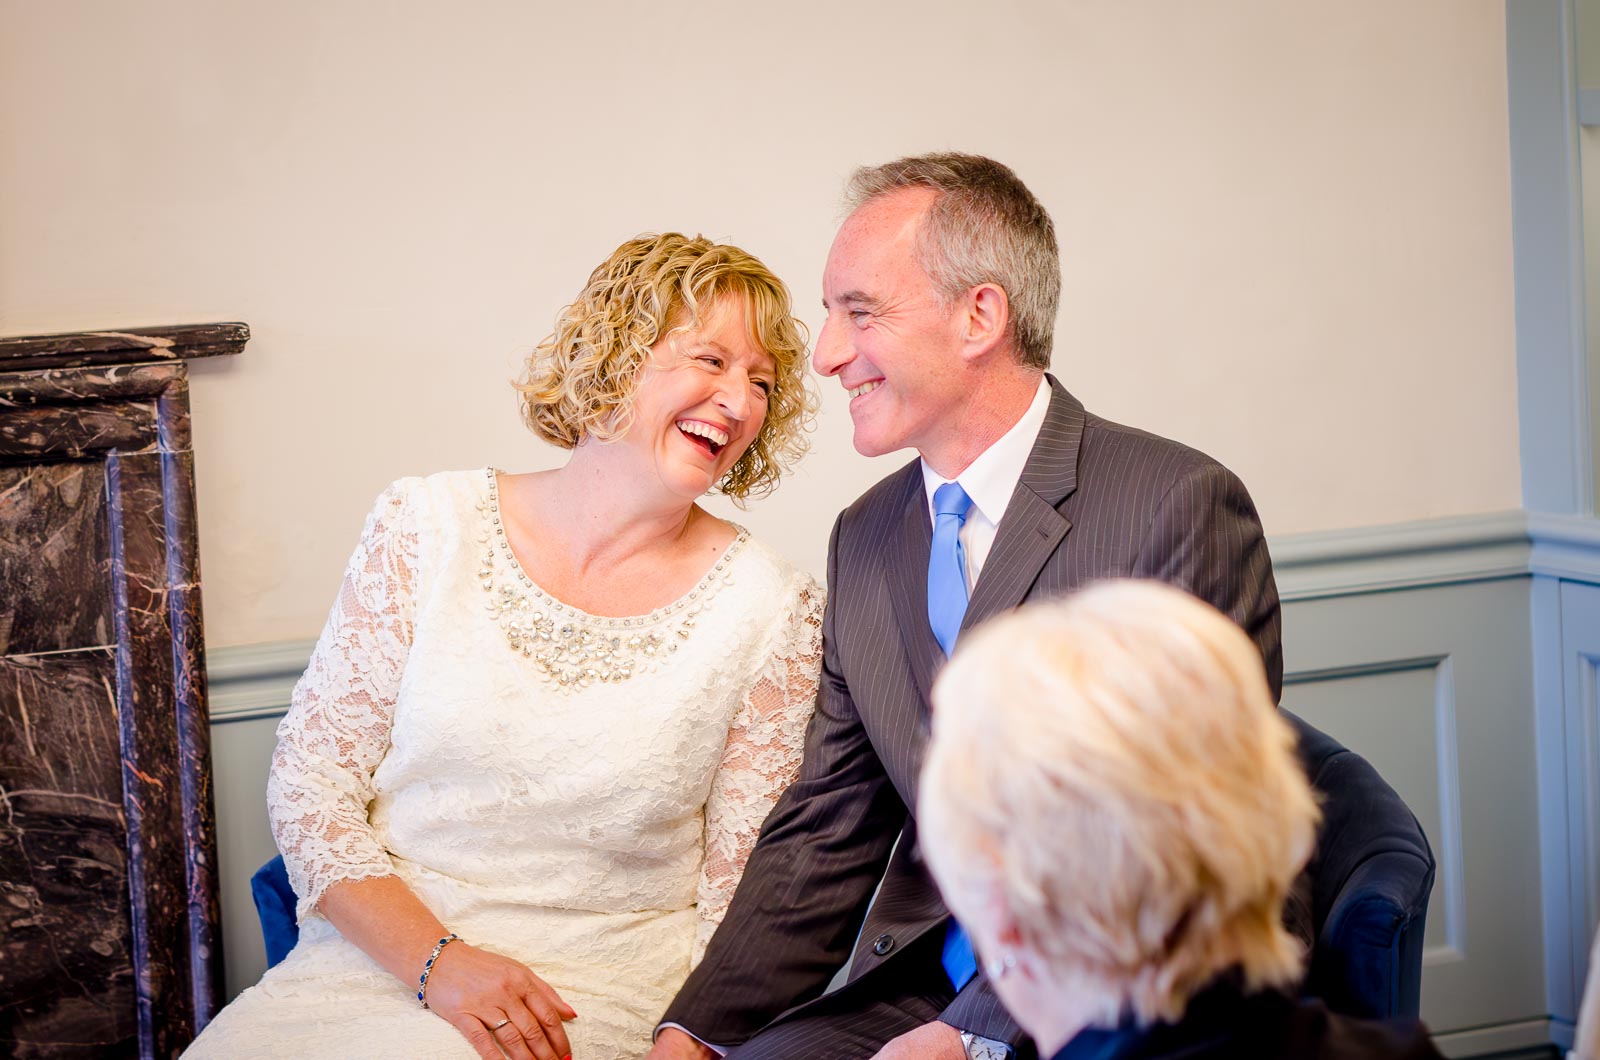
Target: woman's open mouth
x,y
708,437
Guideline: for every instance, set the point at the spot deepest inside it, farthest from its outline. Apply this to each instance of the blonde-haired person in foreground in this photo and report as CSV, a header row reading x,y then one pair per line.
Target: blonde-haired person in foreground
x,y
1112,806
549,712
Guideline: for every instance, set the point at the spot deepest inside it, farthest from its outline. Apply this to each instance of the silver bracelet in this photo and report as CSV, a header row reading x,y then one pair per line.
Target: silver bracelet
x,y
427,969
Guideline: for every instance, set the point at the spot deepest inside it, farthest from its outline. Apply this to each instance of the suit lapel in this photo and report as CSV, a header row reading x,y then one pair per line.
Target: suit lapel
x,y
908,585
1032,528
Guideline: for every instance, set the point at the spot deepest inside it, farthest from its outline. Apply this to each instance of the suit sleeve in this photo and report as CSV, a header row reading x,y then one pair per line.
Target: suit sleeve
x,y
1206,539
812,872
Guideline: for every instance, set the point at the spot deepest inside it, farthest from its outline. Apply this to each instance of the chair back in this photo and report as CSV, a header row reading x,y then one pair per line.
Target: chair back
x,y
275,902
1370,878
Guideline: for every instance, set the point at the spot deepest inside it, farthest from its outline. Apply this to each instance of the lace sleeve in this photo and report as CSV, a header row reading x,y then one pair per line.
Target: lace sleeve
x,y
763,753
337,728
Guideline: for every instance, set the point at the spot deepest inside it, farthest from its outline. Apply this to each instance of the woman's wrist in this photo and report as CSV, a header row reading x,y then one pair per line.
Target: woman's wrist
x,y
427,967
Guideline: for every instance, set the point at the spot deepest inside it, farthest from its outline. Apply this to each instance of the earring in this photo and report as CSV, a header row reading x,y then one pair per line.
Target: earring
x,y
1001,966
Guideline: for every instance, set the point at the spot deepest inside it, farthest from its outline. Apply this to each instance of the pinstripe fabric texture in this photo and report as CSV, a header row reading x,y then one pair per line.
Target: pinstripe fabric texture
x,y
1096,500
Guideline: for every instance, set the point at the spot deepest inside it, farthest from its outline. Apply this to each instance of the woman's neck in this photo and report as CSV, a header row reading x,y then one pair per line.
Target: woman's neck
x,y
1058,1010
602,511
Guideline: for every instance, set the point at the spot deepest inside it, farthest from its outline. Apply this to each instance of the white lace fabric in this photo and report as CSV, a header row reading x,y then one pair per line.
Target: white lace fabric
x,y
337,728
596,834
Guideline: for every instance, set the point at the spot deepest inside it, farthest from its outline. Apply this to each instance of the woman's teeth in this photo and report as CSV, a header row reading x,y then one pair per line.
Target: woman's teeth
x,y
715,435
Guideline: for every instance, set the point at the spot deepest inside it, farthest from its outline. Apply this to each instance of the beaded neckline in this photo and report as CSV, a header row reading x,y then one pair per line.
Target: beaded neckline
x,y
569,646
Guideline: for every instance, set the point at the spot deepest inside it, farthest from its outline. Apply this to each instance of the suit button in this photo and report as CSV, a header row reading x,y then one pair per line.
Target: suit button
x,y
882,944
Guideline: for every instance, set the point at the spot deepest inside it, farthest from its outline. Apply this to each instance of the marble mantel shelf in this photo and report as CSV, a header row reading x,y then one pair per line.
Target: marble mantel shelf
x,y
80,349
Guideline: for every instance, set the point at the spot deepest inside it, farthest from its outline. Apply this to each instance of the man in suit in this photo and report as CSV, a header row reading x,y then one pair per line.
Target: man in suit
x,y
941,291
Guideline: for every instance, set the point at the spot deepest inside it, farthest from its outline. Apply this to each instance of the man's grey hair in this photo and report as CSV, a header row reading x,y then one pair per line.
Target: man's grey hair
x,y
985,227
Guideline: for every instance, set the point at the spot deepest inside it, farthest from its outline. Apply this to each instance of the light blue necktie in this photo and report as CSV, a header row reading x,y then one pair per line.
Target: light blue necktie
x,y
947,565
947,605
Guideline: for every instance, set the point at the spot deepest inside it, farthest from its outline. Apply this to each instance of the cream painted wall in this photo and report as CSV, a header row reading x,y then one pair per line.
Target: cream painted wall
x,y
1286,226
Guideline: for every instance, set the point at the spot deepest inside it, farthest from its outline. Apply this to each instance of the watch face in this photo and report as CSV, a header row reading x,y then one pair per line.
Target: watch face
x,y
984,1048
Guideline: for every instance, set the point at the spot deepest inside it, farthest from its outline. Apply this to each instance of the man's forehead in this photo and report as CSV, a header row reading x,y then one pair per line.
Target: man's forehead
x,y
869,252
892,213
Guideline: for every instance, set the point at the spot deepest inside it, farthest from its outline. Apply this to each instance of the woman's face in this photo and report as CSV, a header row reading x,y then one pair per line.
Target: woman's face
x,y
701,400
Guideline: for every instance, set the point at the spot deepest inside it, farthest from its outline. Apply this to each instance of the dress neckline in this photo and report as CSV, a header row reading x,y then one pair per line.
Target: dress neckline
x,y
717,571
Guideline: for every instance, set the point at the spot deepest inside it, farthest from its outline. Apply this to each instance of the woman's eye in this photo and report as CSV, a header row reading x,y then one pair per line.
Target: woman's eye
x,y
715,362
763,386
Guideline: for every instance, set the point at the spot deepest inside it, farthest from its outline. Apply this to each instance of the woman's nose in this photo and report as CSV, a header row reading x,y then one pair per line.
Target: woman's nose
x,y
734,395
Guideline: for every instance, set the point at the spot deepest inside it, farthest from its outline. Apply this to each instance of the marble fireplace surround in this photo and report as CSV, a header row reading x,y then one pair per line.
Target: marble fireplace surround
x,y
109,939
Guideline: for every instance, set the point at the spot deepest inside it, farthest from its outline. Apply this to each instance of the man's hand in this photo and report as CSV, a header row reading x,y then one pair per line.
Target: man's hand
x,y
931,1041
673,1044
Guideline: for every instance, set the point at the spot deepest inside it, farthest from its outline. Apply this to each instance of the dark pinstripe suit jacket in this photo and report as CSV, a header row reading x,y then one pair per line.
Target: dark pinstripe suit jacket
x,y
1096,500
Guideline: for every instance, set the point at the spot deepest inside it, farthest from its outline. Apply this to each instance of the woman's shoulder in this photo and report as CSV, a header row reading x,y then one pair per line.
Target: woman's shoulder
x,y
441,492
770,566
787,601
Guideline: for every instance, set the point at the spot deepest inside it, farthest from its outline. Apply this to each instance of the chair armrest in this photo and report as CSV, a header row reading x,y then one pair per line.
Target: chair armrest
x,y
1368,957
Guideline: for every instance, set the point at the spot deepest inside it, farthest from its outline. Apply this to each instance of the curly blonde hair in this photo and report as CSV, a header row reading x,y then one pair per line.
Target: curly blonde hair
x,y
581,380
1133,721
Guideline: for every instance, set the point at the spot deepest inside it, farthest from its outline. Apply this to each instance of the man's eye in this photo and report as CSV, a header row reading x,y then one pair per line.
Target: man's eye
x,y
858,315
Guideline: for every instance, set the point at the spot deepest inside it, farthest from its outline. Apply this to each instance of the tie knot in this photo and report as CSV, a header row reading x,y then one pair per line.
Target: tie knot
x,y
951,499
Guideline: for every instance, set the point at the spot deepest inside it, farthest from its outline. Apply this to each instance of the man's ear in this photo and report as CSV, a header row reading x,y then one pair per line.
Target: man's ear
x,y
988,320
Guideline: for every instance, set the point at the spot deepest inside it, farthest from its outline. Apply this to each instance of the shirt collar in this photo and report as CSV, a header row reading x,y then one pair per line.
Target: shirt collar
x,y
991,479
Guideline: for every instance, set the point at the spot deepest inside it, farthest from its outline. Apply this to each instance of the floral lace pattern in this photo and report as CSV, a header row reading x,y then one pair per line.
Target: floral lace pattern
x,y
337,728
594,833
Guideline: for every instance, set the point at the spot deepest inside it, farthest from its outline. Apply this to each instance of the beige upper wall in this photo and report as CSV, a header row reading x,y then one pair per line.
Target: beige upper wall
x,y
1286,227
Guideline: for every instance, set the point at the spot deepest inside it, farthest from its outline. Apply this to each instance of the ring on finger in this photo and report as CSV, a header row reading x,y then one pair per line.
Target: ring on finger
x,y
502,1023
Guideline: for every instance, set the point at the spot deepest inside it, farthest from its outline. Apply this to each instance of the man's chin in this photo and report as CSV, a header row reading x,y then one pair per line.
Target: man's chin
x,y
868,443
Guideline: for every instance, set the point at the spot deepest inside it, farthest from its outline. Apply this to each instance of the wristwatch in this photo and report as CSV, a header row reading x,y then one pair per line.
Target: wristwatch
x,y
981,1048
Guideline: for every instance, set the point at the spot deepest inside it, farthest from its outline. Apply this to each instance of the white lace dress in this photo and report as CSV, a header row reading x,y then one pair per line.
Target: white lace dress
x,y
579,793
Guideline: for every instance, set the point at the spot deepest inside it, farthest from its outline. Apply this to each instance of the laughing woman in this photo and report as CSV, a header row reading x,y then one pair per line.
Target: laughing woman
x,y
549,711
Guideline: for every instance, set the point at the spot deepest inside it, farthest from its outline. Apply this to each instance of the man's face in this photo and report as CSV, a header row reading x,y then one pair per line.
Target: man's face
x,y
892,345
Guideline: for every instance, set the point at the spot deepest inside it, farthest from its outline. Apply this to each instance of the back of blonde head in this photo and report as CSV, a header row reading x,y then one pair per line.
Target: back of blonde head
x,y
1113,767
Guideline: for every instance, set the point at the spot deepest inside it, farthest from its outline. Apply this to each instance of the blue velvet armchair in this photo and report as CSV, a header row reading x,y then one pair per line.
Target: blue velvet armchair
x,y
1370,880
275,903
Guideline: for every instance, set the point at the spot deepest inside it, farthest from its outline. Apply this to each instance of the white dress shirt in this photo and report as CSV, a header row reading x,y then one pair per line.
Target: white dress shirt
x,y
990,480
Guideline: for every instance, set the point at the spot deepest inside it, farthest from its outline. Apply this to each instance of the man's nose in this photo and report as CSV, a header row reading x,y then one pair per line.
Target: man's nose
x,y
832,351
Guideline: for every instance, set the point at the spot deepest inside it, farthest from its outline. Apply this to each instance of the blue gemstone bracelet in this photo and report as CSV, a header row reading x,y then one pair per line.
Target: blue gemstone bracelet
x,y
427,969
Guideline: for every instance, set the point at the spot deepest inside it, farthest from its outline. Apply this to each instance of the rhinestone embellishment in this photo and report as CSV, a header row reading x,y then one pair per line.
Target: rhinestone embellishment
x,y
569,648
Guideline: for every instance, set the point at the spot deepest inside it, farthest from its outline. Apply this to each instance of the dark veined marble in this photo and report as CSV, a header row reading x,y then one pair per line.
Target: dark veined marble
x,y
67,984
54,558
181,342
100,637
78,430
69,386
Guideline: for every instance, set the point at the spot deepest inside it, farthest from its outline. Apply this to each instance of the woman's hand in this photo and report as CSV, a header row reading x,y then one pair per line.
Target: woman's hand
x,y
471,988
478,991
